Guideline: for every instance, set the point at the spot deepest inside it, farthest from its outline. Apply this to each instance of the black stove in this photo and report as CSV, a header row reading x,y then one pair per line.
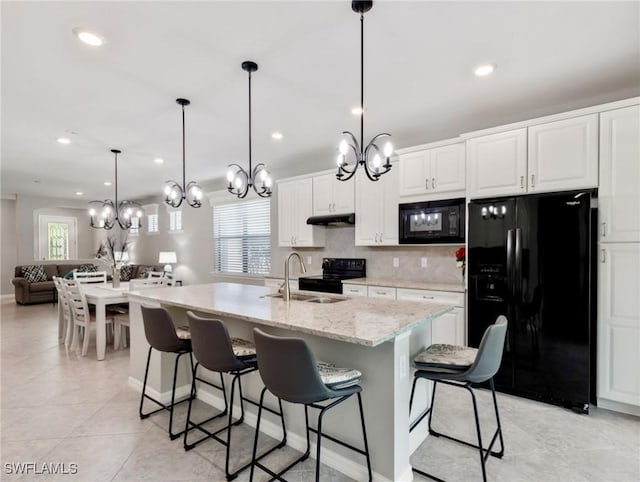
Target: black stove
x,y
334,270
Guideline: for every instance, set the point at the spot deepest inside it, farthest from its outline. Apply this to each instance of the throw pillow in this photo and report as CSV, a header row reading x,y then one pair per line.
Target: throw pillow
x,y
88,268
145,271
126,272
34,273
69,275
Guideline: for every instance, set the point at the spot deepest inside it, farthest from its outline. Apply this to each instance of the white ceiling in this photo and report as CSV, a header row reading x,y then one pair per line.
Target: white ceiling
x,y
419,85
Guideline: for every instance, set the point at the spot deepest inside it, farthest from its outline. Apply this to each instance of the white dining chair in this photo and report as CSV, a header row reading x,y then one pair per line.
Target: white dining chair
x,y
81,316
169,279
90,276
67,314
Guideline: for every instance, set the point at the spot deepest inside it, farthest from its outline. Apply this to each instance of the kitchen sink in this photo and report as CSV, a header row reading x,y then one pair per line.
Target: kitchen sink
x,y
326,300
293,296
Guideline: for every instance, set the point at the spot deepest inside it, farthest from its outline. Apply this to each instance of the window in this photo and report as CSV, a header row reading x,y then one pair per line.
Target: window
x,y
57,237
134,230
152,223
175,220
242,237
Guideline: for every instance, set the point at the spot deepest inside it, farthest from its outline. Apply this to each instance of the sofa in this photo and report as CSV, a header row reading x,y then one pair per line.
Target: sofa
x,y
28,293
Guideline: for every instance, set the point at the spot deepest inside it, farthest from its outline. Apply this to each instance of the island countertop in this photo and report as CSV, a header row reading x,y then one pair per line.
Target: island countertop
x,y
360,320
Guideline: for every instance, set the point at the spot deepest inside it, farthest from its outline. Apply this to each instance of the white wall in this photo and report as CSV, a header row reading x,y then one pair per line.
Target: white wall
x,y
8,244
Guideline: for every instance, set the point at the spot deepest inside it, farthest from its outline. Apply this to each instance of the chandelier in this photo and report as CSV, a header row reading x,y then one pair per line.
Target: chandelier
x,y
105,214
175,193
368,157
259,178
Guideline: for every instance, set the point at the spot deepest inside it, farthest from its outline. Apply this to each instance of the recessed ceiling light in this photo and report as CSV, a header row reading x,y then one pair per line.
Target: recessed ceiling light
x,y
79,193
277,136
356,110
484,70
107,183
87,37
63,140
157,160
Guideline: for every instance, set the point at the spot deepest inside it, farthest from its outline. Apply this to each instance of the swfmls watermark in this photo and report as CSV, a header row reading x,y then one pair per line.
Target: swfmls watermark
x,y
40,468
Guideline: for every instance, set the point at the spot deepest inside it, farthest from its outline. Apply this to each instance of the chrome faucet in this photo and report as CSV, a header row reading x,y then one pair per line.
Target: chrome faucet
x,y
286,292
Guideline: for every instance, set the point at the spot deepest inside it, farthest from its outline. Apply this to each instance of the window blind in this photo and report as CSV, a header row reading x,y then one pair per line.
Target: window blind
x,y
175,221
242,237
152,223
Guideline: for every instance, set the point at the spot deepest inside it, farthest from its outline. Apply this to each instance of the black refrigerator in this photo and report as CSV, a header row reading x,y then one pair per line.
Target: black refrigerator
x,y
531,258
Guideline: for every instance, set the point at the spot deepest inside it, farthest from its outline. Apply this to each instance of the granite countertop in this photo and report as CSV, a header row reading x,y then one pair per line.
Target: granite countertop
x,y
398,283
359,320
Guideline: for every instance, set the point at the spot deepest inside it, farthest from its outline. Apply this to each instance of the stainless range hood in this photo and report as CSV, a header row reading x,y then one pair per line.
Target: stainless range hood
x,y
333,220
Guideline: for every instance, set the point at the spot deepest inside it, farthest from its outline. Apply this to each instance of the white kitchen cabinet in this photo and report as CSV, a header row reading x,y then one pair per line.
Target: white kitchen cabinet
x,y
619,325
295,205
563,155
497,164
619,193
381,292
354,290
448,328
433,171
377,209
331,196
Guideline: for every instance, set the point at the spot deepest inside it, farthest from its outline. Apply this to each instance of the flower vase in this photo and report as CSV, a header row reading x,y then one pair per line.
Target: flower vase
x,y
115,277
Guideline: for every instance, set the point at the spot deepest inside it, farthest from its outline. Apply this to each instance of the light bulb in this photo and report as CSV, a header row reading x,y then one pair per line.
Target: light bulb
x,y
376,162
263,175
340,160
127,214
139,214
267,182
167,190
129,211
388,149
230,176
344,147
173,194
107,210
92,212
238,183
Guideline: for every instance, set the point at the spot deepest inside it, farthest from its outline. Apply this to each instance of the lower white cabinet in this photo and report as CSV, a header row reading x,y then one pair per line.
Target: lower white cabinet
x,y
381,292
354,290
619,325
448,328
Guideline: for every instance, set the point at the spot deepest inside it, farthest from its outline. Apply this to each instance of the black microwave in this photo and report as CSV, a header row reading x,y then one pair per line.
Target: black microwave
x,y
432,222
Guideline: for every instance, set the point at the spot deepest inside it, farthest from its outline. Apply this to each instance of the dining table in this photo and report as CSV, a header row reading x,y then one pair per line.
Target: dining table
x,y
101,295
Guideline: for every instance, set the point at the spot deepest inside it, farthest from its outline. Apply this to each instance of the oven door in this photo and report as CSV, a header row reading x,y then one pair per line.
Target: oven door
x,y
319,284
432,222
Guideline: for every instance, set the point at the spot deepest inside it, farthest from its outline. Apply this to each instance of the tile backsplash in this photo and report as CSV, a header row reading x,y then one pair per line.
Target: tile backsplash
x,y
441,261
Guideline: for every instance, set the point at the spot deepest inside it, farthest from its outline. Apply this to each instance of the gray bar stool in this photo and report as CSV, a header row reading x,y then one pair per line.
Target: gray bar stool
x,y
290,372
461,366
216,351
161,336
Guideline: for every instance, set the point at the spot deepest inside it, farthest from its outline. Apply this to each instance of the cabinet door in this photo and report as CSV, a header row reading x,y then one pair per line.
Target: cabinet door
x,y
354,290
286,212
497,164
323,194
381,292
343,197
388,213
619,323
449,328
368,205
304,234
619,193
414,175
563,155
447,171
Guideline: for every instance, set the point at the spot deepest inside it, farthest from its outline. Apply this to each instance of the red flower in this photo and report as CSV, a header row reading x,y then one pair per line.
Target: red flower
x,y
461,254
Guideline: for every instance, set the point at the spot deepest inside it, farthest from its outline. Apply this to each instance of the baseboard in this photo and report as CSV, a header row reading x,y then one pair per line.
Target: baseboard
x,y
164,397
619,407
7,297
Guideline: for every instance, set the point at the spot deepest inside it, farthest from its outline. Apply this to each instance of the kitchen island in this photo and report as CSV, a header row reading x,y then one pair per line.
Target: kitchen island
x,y
374,336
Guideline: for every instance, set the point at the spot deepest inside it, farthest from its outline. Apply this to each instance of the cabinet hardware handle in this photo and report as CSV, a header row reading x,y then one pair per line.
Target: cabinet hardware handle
x,y
426,183
380,238
433,182
334,207
521,182
376,239
353,291
428,297
604,256
533,180
381,292
604,230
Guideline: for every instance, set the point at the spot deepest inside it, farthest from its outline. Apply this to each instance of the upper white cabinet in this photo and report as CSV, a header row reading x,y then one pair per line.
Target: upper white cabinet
x,y
377,209
619,193
563,155
295,205
429,172
497,164
331,196
554,156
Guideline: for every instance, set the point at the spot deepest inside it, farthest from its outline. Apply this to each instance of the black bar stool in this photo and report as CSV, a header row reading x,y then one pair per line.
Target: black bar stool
x,y
216,351
461,366
290,372
161,336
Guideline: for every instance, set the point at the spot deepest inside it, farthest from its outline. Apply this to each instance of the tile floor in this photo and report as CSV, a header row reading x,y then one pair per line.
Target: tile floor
x,y
58,407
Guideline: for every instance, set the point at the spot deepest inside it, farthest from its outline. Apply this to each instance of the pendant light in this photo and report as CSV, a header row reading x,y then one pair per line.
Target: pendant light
x,y
105,214
240,180
368,157
174,192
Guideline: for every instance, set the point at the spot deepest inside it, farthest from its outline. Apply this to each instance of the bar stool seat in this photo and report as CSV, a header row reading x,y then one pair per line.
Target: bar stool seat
x,y
216,351
304,381
461,366
161,335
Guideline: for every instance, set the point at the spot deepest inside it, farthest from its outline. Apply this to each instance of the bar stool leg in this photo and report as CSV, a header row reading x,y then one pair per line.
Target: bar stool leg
x,y
364,437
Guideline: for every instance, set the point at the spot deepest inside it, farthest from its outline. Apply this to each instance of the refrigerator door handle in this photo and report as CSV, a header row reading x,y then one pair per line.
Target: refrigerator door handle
x,y
518,266
510,256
